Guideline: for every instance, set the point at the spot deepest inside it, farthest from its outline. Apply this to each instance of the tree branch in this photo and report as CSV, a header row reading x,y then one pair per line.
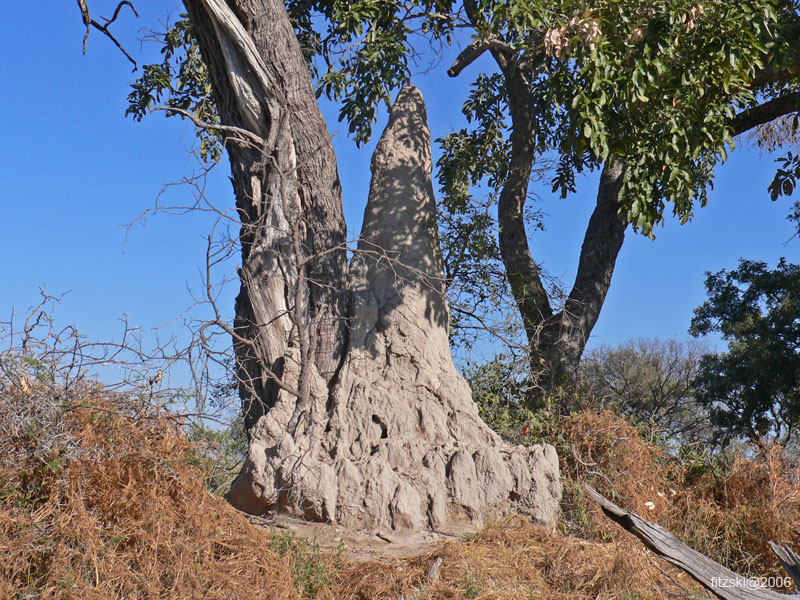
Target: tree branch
x,y
783,71
522,271
88,22
474,51
768,75
789,560
766,112
258,140
604,236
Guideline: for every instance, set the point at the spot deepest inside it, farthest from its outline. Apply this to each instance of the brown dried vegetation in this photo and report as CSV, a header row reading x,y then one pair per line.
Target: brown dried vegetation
x,y
515,560
728,507
115,510
99,502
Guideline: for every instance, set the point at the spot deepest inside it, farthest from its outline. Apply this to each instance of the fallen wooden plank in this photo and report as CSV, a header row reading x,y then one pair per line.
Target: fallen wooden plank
x,y
789,561
719,580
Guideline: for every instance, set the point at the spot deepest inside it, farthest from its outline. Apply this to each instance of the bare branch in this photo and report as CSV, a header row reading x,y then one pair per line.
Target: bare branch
x,y
212,126
89,23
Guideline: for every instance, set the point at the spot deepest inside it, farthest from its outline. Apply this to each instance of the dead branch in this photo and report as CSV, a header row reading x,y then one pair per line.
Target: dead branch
x,y
212,126
104,28
789,560
717,579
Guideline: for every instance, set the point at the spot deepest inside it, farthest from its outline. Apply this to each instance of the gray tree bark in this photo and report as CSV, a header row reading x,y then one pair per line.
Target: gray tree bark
x,y
719,580
564,337
288,196
557,339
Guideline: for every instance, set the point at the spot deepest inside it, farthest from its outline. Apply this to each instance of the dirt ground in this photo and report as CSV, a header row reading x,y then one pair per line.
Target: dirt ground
x,y
354,545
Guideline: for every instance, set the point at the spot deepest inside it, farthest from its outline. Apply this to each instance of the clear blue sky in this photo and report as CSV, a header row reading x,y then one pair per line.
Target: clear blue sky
x,y
74,170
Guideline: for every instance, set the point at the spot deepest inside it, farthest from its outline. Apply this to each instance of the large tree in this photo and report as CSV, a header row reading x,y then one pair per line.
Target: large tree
x,y
354,410
649,94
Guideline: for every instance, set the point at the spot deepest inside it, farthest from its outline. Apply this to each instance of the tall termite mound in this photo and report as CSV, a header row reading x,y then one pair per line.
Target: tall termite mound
x,y
397,443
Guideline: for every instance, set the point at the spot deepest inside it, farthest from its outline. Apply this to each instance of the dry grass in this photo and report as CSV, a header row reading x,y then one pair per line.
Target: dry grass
x,y
116,511
731,517
514,560
727,509
111,507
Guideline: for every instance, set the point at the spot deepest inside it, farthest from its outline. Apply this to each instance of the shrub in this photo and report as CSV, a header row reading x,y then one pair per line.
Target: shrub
x,y
219,452
105,504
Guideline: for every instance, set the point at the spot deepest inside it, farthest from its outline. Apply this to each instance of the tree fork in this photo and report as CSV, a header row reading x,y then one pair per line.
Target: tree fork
x,y
556,340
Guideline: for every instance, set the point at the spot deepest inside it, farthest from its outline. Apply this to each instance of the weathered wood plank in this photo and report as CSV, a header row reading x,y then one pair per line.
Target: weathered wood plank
x,y
789,560
719,580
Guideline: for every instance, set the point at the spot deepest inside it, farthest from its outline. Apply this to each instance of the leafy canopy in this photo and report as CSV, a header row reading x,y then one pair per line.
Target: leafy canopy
x,y
652,84
182,80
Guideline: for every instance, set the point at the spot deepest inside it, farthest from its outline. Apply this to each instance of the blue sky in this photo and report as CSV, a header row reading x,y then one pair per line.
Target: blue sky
x,y
75,170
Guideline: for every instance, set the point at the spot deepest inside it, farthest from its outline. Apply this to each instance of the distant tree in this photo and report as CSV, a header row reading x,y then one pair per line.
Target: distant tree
x,y
650,382
753,389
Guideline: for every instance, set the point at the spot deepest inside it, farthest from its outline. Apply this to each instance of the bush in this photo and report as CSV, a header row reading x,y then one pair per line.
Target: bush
x,y
101,502
500,388
219,452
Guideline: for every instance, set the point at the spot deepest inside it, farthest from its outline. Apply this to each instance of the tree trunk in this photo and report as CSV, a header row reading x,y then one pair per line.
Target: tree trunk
x,y
355,411
556,338
287,195
564,337
522,271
